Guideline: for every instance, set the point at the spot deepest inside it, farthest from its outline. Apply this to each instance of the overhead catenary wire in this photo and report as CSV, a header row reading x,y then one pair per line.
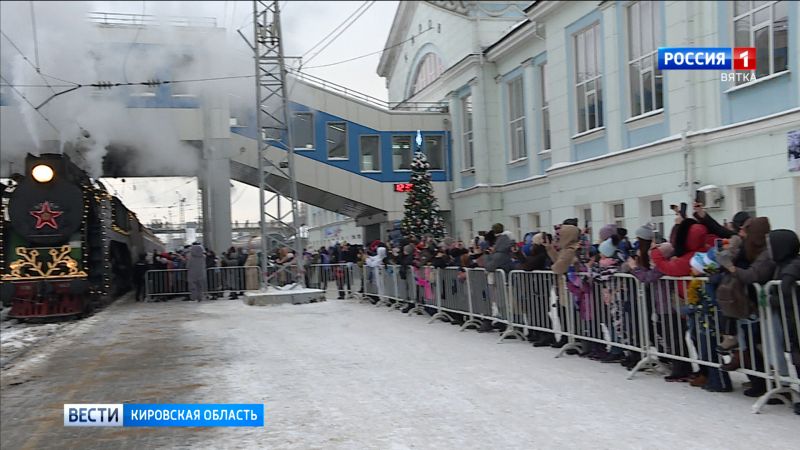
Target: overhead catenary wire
x,y
333,39
31,105
112,84
370,54
34,66
311,49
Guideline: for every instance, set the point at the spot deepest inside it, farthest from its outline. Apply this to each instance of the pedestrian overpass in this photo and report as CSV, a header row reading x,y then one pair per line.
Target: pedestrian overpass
x,y
354,150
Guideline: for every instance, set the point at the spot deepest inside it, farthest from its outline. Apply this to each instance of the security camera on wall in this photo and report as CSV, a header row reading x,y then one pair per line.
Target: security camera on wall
x,y
711,196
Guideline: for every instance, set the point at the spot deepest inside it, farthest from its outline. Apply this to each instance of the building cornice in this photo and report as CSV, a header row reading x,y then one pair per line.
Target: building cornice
x,y
521,33
517,36
400,27
540,9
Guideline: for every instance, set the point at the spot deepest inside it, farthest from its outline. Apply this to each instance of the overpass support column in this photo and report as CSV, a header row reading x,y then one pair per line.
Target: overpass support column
x,y
216,185
216,168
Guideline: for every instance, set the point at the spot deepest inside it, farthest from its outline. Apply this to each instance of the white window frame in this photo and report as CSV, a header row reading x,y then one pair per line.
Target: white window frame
x,y
311,118
581,212
516,124
740,199
612,213
647,57
547,143
534,221
361,153
770,25
467,143
516,227
428,70
657,219
593,78
328,142
441,155
410,151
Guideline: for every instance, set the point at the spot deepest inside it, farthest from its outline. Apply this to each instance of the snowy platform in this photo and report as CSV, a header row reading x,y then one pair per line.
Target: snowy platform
x,y
292,293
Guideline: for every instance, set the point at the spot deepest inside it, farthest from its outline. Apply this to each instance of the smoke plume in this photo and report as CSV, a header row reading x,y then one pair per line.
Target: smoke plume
x,y
115,127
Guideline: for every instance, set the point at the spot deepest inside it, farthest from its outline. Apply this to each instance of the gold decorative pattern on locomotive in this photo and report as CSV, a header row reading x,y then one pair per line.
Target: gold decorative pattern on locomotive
x,y
61,265
120,230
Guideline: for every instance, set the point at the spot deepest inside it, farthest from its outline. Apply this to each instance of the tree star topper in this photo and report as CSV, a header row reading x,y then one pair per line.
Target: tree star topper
x,y
46,216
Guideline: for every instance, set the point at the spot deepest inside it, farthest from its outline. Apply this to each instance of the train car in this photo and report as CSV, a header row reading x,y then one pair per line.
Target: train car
x,y
66,244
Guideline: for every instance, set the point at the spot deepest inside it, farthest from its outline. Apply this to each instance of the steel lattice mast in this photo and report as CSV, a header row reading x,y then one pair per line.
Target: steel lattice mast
x,y
275,147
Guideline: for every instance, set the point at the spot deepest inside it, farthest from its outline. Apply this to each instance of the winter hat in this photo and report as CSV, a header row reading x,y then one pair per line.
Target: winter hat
x,y
573,222
739,219
607,248
646,232
607,231
497,228
622,232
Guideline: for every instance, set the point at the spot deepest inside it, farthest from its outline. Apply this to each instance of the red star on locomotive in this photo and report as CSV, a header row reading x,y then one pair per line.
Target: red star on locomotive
x,y
46,216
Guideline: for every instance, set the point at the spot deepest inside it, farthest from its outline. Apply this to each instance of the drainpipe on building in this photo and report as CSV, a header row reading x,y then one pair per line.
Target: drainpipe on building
x,y
688,162
688,151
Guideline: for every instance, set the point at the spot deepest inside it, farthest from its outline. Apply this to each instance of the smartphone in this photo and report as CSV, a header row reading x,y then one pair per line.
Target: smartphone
x,y
683,209
718,244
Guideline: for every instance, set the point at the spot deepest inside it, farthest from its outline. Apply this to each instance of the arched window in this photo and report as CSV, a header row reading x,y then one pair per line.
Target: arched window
x,y
428,70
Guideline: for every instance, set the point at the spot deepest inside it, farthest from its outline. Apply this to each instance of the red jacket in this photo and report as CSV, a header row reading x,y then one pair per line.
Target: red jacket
x,y
679,266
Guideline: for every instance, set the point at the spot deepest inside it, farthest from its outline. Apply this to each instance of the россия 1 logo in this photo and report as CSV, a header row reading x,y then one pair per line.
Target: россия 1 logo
x,y
711,58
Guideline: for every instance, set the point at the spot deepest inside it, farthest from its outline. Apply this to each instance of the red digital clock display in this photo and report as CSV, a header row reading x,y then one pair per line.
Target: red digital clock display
x,y
403,187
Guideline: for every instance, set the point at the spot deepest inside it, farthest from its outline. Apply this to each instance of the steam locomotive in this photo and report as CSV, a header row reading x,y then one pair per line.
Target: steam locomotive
x,y
66,244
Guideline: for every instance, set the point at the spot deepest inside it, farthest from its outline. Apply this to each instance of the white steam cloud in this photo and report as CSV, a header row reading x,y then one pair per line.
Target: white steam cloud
x,y
89,120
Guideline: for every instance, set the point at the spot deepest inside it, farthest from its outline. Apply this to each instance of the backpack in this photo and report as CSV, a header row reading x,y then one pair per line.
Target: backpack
x,y
732,298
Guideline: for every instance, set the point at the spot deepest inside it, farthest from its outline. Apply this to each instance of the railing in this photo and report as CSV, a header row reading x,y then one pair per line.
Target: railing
x,y
676,319
435,107
176,282
141,20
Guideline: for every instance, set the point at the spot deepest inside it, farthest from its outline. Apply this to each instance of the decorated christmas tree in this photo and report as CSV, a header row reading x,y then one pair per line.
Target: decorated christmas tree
x,y
421,209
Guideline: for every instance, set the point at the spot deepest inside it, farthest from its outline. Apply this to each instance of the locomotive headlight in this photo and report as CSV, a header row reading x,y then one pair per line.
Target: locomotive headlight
x,y
42,173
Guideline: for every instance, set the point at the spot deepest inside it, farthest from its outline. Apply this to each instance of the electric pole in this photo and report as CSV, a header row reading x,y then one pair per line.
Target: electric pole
x,y
275,148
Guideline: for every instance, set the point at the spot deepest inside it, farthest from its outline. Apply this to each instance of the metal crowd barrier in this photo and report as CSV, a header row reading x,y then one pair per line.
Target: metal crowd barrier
x,y
535,296
452,298
782,329
489,300
673,318
606,314
174,282
343,279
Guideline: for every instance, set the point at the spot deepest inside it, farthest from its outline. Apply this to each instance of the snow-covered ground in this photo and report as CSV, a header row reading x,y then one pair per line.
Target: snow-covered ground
x,y
345,375
17,337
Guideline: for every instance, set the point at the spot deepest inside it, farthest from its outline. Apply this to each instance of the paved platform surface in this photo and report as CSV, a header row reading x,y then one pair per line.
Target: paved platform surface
x,y
340,374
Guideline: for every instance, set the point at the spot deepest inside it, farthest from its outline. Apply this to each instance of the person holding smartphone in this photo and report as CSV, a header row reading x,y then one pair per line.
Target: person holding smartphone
x,y
740,219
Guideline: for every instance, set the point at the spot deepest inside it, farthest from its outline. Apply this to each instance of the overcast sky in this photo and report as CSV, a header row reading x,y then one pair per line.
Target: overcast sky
x,y
304,24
